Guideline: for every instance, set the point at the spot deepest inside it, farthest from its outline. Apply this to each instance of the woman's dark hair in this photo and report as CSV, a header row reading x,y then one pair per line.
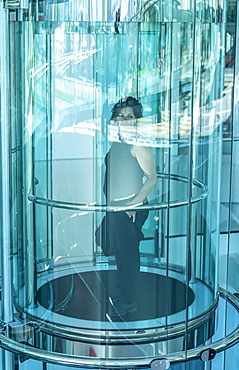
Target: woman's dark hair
x,y
127,102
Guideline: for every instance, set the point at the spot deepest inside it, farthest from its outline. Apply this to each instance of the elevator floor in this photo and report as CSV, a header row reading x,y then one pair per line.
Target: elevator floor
x,y
85,295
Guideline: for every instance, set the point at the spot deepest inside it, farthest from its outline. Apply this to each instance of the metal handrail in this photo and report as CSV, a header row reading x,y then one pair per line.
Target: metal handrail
x,y
93,207
174,331
89,362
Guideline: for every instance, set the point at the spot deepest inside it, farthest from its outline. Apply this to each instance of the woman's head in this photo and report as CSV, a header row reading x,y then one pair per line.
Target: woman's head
x,y
127,109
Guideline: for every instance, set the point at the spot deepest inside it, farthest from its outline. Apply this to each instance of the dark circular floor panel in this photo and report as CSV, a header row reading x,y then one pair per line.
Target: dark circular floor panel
x,y
85,295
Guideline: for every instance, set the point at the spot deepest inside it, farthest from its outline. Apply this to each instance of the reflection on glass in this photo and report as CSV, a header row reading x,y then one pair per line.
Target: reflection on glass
x,y
73,73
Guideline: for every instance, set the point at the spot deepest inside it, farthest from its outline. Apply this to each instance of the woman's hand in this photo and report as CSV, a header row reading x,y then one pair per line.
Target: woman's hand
x,y
131,214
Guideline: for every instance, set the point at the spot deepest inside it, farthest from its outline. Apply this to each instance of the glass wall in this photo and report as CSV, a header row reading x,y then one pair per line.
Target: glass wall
x,y
72,148
229,205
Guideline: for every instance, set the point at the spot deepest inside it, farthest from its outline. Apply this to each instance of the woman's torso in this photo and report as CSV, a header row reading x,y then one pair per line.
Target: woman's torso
x,y
123,177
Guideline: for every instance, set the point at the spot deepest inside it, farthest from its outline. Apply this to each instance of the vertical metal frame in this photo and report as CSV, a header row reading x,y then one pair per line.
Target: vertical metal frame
x,y
7,299
7,358
234,111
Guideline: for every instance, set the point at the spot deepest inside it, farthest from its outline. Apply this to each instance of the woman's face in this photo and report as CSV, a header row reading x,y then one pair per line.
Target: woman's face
x,y
126,114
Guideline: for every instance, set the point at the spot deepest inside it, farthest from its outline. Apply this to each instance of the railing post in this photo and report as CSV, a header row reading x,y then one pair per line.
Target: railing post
x,y
6,263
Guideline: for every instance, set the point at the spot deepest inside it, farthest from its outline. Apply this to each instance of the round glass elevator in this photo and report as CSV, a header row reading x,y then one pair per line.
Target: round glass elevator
x,y
69,65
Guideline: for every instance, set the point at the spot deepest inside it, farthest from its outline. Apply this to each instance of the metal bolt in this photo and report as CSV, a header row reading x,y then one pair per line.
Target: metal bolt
x,y
207,355
162,364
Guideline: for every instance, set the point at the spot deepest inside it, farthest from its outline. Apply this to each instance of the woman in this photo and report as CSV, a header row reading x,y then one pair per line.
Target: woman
x,y
126,166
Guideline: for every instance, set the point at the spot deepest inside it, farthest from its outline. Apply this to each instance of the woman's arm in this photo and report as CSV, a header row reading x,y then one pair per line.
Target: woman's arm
x,y
145,158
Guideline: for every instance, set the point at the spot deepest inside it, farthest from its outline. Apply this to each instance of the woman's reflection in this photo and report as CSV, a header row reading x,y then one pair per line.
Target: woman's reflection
x,y
130,177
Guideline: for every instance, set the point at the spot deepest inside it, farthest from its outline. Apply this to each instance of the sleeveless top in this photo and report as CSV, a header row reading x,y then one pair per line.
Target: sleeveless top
x,y
123,177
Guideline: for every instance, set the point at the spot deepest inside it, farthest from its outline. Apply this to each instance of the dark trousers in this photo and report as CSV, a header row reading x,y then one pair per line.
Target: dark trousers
x,y
126,236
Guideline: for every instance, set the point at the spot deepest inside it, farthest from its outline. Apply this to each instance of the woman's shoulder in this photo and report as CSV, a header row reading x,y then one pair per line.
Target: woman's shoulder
x,y
138,150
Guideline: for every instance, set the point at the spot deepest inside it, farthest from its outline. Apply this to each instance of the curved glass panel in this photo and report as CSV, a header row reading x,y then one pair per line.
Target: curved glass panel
x,y
139,178
123,10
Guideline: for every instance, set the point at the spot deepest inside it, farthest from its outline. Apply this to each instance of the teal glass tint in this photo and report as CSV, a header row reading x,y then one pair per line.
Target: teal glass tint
x,y
68,77
126,11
